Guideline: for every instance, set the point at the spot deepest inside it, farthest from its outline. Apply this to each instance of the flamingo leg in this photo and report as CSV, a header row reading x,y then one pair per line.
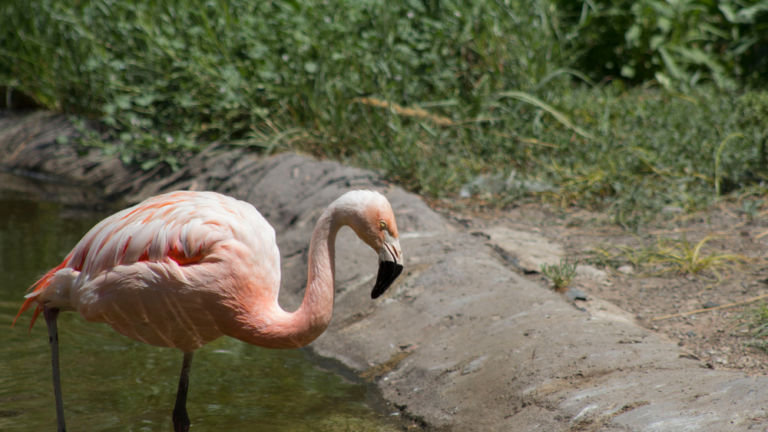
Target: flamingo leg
x,y
51,314
180,417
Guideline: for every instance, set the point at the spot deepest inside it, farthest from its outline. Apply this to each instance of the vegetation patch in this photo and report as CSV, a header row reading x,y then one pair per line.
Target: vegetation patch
x,y
758,327
670,255
561,274
629,107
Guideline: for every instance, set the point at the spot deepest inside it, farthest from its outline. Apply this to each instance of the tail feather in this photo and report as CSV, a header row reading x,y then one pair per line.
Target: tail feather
x,y
35,290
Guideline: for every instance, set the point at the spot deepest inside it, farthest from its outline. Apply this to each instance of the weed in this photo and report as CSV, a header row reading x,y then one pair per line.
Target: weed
x,y
533,100
757,323
561,274
672,256
682,257
618,256
750,208
718,157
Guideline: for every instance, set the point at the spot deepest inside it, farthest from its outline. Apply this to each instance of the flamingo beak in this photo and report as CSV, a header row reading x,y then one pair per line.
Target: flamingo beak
x,y
390,266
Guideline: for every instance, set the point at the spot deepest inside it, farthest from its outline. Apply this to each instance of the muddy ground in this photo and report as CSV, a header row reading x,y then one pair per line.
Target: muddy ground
x,y
472,337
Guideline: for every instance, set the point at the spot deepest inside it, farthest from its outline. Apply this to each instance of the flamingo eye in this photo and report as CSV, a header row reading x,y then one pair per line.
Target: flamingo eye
x,y
382,225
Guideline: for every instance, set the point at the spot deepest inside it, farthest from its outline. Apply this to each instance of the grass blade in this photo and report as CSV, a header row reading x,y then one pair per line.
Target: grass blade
x,y
560,117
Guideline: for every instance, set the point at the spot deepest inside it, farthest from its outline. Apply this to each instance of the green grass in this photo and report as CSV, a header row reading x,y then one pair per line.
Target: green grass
x,y
589,104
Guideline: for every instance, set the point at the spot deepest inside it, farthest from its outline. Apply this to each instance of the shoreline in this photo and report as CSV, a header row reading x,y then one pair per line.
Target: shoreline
x,y
461,342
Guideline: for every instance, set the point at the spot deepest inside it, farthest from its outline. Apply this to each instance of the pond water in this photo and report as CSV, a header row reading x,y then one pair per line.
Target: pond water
x,y
112,383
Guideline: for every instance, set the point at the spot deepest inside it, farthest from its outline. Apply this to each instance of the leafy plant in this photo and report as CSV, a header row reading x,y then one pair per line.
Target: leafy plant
x,y
561,274
678,43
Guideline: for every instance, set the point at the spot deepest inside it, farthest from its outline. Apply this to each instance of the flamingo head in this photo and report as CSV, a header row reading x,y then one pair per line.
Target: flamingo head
x,y
375,225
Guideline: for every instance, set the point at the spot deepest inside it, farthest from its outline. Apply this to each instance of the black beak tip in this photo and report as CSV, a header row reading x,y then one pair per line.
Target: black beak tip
x,y
388,272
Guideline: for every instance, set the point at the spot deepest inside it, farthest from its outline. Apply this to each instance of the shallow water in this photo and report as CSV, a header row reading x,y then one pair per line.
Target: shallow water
x,y
112,383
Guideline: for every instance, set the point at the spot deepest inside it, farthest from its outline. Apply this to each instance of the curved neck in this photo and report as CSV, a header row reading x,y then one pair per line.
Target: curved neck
x,y
276,328
313,316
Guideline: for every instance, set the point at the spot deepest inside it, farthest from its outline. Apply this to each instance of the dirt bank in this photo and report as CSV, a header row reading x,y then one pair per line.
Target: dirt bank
x,y
462,342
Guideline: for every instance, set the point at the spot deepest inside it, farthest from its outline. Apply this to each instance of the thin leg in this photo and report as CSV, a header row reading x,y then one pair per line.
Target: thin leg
x,y
51,314
180,417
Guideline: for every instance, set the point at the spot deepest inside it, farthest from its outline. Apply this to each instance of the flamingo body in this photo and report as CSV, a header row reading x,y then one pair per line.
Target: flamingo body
x,y
173,271
184,268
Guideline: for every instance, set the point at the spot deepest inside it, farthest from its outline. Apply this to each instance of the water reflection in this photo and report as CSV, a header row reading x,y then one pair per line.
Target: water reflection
x,y
112,383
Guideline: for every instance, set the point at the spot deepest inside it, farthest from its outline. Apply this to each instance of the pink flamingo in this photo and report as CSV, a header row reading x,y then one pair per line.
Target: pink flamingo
x,y
184,268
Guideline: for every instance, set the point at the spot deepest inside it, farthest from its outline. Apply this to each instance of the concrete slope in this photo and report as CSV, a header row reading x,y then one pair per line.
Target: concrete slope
x,y
461,342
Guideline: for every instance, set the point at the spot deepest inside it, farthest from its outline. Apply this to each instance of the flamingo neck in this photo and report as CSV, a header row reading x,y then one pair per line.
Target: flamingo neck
x,y
282,329
313,316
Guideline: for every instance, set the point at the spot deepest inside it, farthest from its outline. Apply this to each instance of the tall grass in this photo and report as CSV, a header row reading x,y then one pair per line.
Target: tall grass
x,y
492,98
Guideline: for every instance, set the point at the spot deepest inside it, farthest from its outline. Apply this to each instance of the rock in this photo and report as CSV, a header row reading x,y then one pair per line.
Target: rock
x,y
591,273
574,294
474,365
528,251
626,269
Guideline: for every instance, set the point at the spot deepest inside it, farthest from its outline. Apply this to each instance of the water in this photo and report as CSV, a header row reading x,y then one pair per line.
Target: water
x,y
112,383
